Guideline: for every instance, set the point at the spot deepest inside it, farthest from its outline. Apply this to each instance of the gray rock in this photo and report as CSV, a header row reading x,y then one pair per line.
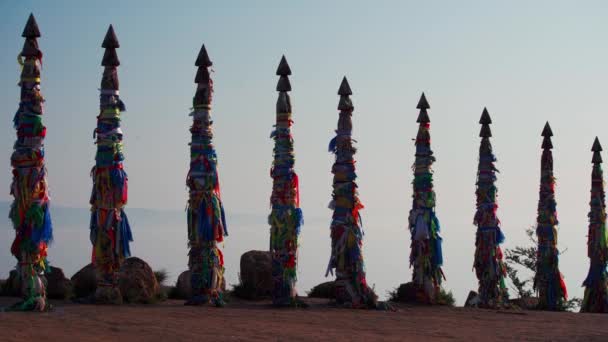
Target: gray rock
x,y
324,290
137,282
84,282
183,287
407,293
57,285
12,285
472,300
526,303
256,275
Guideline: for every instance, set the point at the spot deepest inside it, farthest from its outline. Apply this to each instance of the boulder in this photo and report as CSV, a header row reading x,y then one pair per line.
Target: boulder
x,y
58,286
472,300
84,282
406,293
324,290
12,285
137,282
525,303
256,275
183,287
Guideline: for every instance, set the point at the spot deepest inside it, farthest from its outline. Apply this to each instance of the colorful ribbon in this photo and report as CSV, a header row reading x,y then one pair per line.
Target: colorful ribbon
x,y
286,217
30,211
205,213
489,267
426,257
346,226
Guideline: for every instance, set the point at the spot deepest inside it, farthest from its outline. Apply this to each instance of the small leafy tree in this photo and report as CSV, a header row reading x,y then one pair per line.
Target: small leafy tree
x,y
522,260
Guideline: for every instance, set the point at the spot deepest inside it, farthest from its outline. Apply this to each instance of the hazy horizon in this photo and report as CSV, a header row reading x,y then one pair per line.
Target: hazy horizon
x,y
527,62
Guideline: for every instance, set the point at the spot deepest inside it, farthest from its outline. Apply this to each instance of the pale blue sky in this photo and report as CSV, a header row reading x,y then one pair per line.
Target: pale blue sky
x,y
527,61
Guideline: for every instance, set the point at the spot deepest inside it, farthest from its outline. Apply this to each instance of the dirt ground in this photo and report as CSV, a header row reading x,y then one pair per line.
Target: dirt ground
x,y
258,321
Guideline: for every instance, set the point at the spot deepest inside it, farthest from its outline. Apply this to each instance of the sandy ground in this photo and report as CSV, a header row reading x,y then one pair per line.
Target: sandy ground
x,y
258,321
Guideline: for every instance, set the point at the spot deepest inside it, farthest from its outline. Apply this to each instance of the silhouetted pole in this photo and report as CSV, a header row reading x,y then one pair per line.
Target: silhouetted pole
x,y
548,280
426,256
30,210
286,216
346,231
489,267
596,290
206,218
110,230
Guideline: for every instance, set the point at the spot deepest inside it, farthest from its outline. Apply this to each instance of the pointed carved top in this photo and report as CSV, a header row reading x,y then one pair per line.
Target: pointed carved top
x,y
202,76
547,144
485,131
283,69
110,58
423,103
203,58
110,41
30,48
283,84
596,145
31,29
485,117
423,117
547,131
344,87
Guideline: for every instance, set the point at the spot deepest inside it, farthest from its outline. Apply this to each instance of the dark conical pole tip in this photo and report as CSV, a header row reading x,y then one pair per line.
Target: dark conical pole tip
x,y
423,103
203,58
485,131
597,158
283,69
423,117
344,87
31,29
547,144
547,132
485,117
283,84
110,41
202,76
30,48
110,58
596,145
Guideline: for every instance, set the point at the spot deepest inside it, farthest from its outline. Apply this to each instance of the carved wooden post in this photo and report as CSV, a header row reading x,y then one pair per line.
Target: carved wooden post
x,y
110,230
548,280
286,216
30,211
488,264
206,218
596,290
426,255
346,229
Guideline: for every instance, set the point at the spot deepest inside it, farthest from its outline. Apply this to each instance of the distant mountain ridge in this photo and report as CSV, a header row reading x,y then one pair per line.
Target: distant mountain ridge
x,y
75,215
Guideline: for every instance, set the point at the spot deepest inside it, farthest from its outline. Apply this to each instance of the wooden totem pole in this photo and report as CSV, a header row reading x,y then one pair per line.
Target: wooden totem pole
x,y
346,228
30,212
488,264
548,280
286,216
110,230
206,218
596,286
426,255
